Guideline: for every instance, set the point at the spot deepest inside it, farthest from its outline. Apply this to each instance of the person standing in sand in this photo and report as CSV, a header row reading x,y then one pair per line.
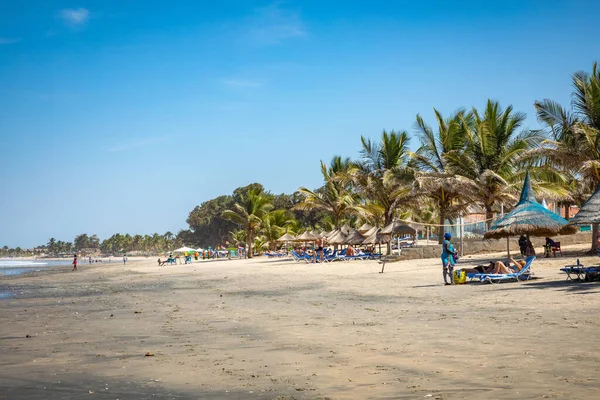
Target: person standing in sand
x,y
124,260
74,262
448,253
319,251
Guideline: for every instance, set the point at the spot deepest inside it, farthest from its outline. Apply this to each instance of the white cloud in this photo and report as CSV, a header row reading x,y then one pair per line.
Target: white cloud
x,y
4,40
273,24
75,17
241,83
137,143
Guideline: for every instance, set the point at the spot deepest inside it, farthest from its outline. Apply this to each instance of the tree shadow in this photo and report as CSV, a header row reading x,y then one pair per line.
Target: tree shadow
x,y
569,286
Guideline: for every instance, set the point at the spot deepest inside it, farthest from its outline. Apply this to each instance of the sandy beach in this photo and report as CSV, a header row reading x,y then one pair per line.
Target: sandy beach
x,y
277,329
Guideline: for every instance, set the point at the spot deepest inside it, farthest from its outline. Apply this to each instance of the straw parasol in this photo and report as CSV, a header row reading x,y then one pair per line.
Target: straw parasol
x,y
377,238
370,231
589,213
355,237
336,238
346,230
364,228
307,237
332,234
317,234
398,228
529,218
286,238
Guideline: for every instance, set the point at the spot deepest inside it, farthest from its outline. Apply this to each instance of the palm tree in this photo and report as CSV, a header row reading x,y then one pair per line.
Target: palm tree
x,y
249,212
492,163
382,176
274,225
575,136
334,197
435,179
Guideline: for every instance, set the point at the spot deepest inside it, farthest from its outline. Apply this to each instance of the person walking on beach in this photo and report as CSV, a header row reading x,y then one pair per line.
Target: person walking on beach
x,y
74,262
319,251
124,260
448,254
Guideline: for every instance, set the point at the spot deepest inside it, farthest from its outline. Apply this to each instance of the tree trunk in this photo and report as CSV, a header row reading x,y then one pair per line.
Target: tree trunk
x,y
489,214
441,229
567,207
389,244
250,243
595,238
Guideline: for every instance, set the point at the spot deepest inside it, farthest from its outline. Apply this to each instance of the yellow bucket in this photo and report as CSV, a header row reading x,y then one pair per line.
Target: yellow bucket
x,y
460,276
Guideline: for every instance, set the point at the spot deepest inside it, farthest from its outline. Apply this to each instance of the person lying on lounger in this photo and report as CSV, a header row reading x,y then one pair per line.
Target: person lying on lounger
x,y
497,267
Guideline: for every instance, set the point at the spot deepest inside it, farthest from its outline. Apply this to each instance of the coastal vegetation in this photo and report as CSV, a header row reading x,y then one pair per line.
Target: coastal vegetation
x,y
472,161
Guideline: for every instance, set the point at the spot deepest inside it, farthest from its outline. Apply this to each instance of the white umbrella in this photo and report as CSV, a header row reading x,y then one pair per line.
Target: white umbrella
x,y
184,249
199,250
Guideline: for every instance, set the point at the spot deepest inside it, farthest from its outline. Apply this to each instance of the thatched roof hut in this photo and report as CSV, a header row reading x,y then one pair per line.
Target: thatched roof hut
x,y
529,218
589,213
355,237
370,231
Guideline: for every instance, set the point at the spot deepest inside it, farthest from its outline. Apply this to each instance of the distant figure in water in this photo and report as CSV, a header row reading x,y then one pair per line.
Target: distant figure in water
x,y
90,260
124,260
74,262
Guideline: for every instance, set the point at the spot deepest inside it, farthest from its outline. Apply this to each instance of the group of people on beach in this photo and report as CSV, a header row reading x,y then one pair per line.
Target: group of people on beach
x,y
450,256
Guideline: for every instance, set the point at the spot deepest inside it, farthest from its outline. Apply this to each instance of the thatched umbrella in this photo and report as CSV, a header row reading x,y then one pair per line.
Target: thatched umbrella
x,y
377,238
317,234
528,218
346,230
589,213
307,237
332,234
364,228
336,238
355,237
286,238
370,231
399,229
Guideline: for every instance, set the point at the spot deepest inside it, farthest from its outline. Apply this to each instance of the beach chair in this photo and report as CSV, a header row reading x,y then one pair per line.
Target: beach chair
x,y
556,248
579,271
522,275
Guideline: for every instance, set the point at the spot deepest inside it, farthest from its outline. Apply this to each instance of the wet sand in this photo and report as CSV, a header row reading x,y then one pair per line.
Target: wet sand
x,y
277,329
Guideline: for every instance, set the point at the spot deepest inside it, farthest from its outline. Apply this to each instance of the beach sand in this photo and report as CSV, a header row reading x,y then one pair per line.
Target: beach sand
x,y
277,329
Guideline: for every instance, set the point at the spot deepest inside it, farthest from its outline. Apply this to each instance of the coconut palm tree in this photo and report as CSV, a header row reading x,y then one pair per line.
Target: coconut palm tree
x,y
274,225
434,177
382,176
575,137
492,164
335,196
248,212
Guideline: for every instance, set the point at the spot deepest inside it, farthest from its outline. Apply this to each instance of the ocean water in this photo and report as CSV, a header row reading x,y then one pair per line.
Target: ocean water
x,y
16,267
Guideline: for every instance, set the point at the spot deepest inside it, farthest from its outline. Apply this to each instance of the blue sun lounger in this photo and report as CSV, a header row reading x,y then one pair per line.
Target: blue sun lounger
x,y
522,275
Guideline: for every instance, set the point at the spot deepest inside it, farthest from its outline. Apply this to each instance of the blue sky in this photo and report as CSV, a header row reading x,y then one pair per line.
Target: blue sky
x,y
121,116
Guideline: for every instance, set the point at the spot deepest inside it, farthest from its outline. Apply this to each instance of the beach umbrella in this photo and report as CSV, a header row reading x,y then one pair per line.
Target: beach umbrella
x,y
286,238
355,237
183,249
528,218
370,231
324,234
346,230
317,234
365,228
377,238
307,237
589,213
337,238
398,228
332,234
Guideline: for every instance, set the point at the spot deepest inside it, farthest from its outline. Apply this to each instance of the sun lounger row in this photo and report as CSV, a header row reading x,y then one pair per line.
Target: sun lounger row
x,y
581,273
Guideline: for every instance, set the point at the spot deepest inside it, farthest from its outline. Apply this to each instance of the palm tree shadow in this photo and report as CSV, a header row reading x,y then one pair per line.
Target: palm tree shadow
x,y
569,286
